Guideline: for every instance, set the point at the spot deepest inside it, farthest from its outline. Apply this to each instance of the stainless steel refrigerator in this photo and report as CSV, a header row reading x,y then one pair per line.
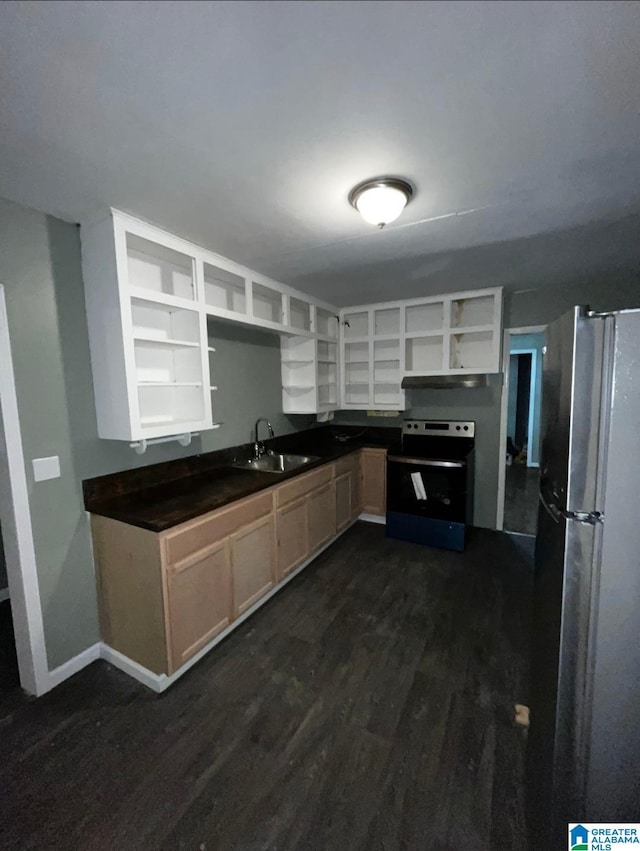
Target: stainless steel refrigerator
x,y
583,760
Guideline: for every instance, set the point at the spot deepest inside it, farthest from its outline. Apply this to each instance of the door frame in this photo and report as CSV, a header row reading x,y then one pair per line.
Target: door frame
x,y
504,405
17,530
532,392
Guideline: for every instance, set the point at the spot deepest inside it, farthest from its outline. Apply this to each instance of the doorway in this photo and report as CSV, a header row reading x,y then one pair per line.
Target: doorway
x,y
520,430
17,532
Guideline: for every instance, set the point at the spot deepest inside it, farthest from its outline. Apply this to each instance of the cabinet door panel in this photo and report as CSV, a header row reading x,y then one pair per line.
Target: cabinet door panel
x,y
356,488
343,501
199,603
374,474
293,542
252,563
321,508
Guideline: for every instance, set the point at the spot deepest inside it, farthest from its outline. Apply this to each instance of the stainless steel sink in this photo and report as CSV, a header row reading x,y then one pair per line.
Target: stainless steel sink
x,y
276,463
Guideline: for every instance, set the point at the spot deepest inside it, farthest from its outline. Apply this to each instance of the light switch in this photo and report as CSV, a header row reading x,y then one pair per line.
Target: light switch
x,y
46,468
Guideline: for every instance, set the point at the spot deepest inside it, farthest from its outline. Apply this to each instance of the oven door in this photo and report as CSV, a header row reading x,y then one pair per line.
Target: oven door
x,y
427,487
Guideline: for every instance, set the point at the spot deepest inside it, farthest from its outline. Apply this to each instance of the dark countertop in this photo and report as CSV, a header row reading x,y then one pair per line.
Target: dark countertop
x,y
207,482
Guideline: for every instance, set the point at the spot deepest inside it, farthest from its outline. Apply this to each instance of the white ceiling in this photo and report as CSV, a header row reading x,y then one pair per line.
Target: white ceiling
x,y
242,126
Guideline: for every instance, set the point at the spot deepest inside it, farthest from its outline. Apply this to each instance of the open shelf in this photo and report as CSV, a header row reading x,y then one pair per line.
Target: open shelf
x,y
471,350
267,303
358,324
159,269
471,311
299,314
424,317
386,321
164,323
167,364
170,403
224,290
326,323
424,353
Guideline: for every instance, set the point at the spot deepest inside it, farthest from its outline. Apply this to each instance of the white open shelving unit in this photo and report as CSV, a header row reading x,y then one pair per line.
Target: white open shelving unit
x,y
310,367
440,335
372,356
148,296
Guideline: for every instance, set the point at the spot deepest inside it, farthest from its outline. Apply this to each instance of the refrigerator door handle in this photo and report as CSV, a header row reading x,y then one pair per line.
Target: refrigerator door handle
x,y
552,510
558,514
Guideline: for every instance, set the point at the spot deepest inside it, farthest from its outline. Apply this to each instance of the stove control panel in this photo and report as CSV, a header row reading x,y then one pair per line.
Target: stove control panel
x,y
440,428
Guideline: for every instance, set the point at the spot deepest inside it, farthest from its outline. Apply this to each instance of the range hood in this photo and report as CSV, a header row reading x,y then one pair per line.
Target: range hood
x,y
444,382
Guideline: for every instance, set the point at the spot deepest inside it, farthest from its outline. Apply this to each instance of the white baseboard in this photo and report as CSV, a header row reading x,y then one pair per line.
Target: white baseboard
x,y
4,594
156,682
161,682
72,666
373,518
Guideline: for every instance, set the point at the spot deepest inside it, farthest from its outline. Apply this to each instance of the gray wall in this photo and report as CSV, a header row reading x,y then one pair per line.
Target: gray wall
x,y
246,369
41,271
611,292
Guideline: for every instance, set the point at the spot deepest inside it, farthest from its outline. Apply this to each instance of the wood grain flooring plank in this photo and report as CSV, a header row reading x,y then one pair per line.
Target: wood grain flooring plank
x,y
367,706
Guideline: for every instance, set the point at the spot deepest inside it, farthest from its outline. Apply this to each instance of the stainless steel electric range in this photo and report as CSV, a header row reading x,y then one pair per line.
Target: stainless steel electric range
x,y
430,483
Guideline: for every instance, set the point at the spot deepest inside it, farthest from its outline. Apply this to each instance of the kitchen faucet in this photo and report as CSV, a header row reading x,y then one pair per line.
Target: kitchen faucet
x,y
258,447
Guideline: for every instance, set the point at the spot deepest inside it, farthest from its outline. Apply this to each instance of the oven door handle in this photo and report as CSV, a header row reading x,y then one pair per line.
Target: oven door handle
x,y
424,462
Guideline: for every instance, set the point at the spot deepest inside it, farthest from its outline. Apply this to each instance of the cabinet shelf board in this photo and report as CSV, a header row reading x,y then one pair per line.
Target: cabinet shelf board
x,y
470,329
163,341
413,335
298,388
169,384
297,362
162,299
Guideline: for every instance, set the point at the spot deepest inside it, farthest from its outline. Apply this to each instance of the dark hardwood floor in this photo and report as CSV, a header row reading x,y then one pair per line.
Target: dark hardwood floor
x,y
367,706
521,499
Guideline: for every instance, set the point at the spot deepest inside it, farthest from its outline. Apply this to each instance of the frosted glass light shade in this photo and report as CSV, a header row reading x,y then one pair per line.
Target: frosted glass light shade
x,y
381,201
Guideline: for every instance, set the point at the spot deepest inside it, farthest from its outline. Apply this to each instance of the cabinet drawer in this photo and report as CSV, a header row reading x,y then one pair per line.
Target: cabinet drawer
x,y
201,533
303,484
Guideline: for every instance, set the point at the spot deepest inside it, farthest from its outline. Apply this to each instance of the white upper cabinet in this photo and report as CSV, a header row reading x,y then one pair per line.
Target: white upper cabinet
x,y
310,365
459,333
148,295
372,358
455,334
146,331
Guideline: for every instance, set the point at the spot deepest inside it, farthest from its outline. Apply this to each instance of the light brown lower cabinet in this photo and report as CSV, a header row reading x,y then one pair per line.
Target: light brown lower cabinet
x,y
321,507
164,596
200,600
343,501
253,563
293,539
373,465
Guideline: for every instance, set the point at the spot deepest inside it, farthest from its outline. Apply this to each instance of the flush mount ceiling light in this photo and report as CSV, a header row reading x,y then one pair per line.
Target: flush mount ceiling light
x,y
381,200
